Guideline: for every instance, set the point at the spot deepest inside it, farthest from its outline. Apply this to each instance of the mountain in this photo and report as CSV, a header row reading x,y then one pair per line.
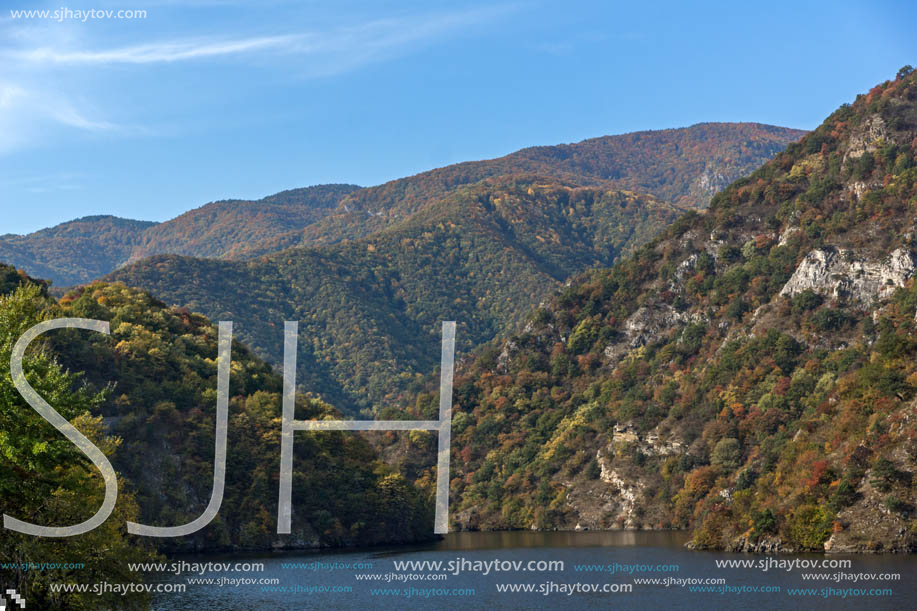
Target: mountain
x,y
683,166
76,251
240,229
146,396
79,251
154,378
749,374
370,309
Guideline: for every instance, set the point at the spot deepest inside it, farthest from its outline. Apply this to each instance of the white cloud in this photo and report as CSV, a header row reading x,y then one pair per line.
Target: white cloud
x,y
350,46
54,188
51,74
25,114
171,51
63,113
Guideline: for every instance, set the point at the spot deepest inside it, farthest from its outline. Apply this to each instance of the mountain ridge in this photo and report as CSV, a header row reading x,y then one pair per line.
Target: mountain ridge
x,y
697,161
622,162
89,247
370,308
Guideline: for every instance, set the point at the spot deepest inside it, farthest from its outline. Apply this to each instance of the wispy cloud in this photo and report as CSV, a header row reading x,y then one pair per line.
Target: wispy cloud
x,y
351,45
26,114
53,74
65,114
169,51
62,180
9,95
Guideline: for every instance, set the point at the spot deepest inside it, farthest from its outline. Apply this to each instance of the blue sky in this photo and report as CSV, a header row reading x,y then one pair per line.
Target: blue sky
x,y
209,99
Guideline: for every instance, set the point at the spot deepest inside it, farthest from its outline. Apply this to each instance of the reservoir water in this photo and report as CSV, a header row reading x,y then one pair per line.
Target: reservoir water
x,y
540,570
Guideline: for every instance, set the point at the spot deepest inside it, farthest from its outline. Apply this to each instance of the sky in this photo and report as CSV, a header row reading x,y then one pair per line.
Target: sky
x,y
201,100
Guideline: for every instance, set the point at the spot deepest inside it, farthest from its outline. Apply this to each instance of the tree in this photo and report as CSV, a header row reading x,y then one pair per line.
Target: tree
x,y
45,479
727,454
765,523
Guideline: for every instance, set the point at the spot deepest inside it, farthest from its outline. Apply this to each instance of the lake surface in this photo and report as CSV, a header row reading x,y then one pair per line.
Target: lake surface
x,y
366,579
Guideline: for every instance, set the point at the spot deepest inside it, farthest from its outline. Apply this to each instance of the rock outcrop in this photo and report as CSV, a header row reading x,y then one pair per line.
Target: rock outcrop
x,y
645,325
843,274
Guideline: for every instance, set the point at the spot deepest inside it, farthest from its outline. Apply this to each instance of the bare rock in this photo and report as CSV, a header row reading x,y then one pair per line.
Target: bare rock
x,y
842,274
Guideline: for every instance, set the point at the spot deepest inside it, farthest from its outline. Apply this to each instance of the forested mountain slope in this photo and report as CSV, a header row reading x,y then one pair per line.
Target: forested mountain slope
x,y
146,395
162,362
12,278
750,374
370,309
75,251
685,166
239,229
78,251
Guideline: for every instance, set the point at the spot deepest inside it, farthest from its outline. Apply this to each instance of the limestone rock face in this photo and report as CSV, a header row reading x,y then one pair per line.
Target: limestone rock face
x,y
629,492
645,325
651,444
765,545
711,181
867,137
842,274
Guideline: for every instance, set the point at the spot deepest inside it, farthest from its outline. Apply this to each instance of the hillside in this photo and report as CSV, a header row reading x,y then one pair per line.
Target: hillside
x,y
161,365
11,279
76,251
750,374
234,229
370,309
79,251
162,362
146,395
683,166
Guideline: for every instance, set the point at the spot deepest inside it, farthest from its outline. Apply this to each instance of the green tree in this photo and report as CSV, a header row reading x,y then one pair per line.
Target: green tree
x,y
727,454
46,480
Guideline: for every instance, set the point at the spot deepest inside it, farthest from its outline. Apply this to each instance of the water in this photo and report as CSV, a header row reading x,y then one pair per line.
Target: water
x,y
651,549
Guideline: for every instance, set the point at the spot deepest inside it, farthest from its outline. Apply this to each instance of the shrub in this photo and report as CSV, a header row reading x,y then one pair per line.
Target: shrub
x,y
896,505
805,301
746,479
810,526
737,308
885,475
583,335
765,523
844,496
863,166
830,319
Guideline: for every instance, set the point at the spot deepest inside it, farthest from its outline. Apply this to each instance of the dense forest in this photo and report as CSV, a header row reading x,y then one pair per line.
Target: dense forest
x,y
44,478
750,374
146,395
370,309
685,166
74,252
242,229
82,250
